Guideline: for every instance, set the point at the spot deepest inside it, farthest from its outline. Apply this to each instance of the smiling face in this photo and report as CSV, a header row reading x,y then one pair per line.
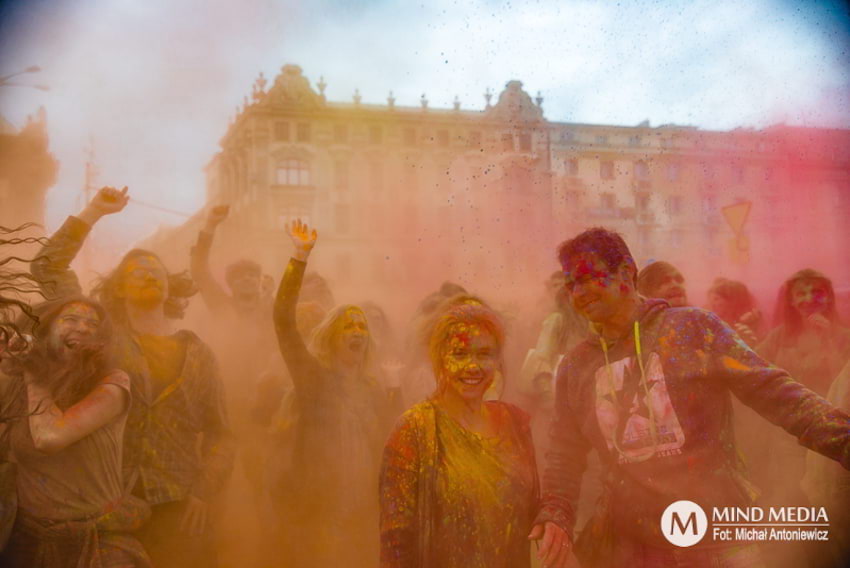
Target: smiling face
x,y
810,296
75,326
597,292
470,361
671,287
144,281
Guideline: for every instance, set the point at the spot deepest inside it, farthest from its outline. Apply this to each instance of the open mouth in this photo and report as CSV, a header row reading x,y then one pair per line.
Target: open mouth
x,y
472,381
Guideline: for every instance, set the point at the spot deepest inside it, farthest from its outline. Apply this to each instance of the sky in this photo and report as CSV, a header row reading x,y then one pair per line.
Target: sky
x,y
151,85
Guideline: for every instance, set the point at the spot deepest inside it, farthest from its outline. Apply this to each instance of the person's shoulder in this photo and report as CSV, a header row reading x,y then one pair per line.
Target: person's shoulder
x,y
118,378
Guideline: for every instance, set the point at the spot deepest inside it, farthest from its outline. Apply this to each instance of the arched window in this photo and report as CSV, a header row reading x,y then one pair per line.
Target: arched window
x,y
293,172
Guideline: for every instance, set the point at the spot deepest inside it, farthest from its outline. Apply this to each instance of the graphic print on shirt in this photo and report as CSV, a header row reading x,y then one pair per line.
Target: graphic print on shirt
x,y
623,409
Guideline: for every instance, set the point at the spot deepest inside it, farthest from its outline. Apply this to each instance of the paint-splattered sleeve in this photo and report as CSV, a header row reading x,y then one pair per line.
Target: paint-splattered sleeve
x,y
212,293
218,448
52,264
399,491
303,367
775,395
567,456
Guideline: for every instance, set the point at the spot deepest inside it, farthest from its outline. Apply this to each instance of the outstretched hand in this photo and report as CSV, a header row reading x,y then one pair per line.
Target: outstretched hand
x,y
107,200
303,238
216,215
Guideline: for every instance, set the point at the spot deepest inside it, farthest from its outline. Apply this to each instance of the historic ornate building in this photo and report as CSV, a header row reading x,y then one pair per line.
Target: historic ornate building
x,y
414,195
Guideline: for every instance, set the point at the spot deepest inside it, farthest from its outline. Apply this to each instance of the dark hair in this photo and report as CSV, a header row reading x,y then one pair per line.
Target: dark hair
x,y
95,359
737,296
607,245
180,289
241,266
651,276
786,315
15,286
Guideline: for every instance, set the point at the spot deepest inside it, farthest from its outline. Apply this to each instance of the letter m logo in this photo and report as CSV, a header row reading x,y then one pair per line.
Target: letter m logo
x,y
691,521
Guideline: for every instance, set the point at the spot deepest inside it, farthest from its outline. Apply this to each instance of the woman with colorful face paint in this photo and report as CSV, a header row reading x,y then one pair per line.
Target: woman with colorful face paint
x,y
325,497
459,482
178,447
813,346
67,407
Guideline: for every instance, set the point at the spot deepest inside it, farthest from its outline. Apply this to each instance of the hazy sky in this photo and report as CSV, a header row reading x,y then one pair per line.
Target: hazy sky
x,y
154,82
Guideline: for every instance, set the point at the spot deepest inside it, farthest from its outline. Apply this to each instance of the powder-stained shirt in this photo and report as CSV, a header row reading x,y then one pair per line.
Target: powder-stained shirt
x,y
177,441
82,480
665,429
454,498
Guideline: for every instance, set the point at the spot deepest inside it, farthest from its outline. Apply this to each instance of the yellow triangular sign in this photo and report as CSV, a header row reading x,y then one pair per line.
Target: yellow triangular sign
x,y
736,215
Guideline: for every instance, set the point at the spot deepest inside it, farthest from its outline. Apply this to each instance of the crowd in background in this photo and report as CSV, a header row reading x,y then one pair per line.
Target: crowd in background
x,y
282,429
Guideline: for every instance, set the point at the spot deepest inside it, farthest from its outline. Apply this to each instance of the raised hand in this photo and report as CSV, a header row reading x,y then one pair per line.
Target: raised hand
x,y
216,215
107,200
303,238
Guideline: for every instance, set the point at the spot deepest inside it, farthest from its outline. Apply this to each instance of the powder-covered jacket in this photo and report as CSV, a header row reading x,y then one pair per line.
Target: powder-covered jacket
x,y
692,364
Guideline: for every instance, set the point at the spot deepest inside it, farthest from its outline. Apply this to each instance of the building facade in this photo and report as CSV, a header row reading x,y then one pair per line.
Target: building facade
x,y
412,196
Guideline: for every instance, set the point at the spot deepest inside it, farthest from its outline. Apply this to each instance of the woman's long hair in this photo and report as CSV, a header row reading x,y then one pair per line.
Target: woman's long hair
x,y
106,291
69,381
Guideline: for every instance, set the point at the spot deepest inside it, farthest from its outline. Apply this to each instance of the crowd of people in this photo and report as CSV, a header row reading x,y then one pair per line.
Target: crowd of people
x,y
292,431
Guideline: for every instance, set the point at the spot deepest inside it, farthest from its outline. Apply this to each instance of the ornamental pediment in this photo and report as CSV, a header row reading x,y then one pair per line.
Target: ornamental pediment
x,y
291,88
515,105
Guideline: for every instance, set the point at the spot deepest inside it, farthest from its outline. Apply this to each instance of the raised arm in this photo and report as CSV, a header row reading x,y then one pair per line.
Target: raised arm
x,y
215,297
304,369
775,395
53,430
52,265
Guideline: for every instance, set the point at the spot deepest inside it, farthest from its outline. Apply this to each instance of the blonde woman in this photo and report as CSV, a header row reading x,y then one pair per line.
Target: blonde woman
x,y
327,496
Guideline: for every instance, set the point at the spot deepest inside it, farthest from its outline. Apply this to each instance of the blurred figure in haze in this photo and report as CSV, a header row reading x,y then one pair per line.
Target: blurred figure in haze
x,y
71,405
178,448
663,280
732,302
341,419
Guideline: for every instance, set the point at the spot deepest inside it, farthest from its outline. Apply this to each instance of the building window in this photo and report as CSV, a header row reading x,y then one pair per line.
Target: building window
x,y
443,138
572,167
674,205
376,177
341,133
641,170
674,170
602,140
293,172
342,218
606,170
525,142
567,136
302,132
341,174
281,131
642,202
376,134
507,142
409,136
608,201
634,141
475,138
